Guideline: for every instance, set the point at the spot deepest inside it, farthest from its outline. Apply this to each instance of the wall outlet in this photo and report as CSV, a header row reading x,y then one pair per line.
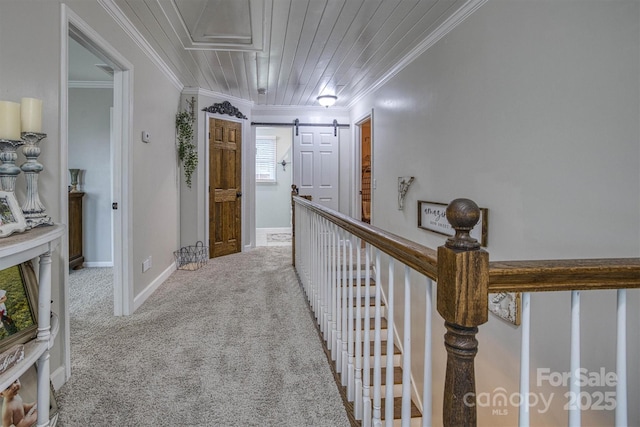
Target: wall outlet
x,y
146,264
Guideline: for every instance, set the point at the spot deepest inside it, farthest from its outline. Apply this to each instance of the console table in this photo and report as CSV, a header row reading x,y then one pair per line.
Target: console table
x,y
16,249
76,258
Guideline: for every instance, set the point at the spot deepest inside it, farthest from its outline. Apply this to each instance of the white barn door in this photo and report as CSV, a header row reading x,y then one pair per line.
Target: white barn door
x,y
315,164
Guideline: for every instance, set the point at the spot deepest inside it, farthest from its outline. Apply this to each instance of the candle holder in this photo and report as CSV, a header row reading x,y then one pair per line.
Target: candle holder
x,y
34,211
8,170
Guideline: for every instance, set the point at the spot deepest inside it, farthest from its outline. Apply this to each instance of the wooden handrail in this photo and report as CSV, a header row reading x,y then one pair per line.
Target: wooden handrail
x,y
564,275
422,259
504,276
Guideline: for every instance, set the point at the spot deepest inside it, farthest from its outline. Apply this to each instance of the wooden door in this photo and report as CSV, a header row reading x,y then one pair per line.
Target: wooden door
x,y
315,165
365,171
225,138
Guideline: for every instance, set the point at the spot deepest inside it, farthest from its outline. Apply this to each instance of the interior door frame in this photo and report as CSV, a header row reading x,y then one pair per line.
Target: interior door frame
x,y
121,165
357,167
243,138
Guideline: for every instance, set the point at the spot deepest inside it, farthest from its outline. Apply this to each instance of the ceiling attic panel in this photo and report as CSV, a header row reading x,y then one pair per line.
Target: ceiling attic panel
x,y
189,58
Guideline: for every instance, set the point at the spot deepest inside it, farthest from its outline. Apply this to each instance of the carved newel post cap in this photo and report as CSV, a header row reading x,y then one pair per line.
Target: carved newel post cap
x,y
463,215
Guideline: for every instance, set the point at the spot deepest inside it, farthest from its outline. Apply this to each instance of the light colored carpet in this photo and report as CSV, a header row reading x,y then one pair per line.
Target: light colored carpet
x,y
231,344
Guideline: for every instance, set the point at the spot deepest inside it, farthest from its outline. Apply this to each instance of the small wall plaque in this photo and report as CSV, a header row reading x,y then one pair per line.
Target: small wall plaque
x,y
432,217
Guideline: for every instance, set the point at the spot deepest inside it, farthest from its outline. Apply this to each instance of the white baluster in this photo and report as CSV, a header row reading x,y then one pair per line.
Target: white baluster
x,y
332,302
340,295
574,385
377,351
523,420
388,410
427,389
366,356
335,297
351,328
406,351
621,360
345,309
357,405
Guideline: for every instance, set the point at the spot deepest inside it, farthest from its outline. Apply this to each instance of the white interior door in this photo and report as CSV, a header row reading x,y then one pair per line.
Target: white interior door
x,y
315,164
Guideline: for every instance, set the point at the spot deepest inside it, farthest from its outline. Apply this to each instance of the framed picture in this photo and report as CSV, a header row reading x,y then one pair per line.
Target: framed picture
x,y
432,216
18,305
22,397
11,217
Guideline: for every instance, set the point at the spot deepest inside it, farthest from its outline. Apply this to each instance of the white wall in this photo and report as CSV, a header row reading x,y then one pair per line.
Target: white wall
x,y
34,71
531,109
273,199
90,150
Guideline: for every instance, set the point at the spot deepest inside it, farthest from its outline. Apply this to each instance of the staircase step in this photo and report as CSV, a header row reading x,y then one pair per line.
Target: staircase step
x,y
397,355
397,409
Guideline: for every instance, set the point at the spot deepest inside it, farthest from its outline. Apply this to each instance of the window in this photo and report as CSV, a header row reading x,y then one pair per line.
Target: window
x,y
266,159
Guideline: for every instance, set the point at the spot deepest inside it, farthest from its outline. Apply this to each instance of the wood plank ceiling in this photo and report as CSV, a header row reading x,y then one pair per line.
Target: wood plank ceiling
x,y
285,52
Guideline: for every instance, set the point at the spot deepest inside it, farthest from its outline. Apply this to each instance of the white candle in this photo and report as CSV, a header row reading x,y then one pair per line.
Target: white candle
x,y
9,120
31,115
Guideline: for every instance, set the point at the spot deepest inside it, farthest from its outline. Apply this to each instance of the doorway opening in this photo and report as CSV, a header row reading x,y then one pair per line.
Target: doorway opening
x,y
274,169
365,175
115,190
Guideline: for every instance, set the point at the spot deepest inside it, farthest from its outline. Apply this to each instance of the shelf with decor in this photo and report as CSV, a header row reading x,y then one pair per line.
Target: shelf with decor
x,y
15,250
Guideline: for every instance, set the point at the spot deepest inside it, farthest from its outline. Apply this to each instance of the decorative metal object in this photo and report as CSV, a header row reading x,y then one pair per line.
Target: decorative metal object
x,y
225,108
284,163
507,306
33,209
404,182
8,170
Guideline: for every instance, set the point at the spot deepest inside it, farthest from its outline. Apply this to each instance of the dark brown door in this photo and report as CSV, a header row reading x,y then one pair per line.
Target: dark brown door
x,y
224,187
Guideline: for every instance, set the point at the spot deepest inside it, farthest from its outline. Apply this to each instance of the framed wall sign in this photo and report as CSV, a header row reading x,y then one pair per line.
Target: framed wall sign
x,y
432,217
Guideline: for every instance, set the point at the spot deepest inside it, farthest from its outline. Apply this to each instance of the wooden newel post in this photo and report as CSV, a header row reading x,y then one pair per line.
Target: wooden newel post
x,y
463,279
294,192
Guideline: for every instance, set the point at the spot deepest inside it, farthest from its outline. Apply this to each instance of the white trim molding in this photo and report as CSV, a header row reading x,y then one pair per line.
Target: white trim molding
x,y
116,13
77,84
151,288
442,30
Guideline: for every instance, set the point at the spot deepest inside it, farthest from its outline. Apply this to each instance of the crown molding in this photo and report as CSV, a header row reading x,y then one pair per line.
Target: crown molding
x,y
442,30
77,84
120,18
211,94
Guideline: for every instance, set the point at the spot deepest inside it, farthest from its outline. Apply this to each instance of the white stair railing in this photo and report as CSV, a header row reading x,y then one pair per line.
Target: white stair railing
x,y
333,259
335,270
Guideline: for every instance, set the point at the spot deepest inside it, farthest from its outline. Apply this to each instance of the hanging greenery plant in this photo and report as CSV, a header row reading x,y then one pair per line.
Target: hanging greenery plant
x,y
187,153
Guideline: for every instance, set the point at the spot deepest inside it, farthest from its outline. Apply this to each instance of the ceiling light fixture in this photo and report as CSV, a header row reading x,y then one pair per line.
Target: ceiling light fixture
x,y
327,100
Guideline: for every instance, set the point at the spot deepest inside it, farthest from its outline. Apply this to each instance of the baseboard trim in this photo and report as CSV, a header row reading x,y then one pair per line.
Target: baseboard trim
x,y
348,406
146,293
58,378
98,264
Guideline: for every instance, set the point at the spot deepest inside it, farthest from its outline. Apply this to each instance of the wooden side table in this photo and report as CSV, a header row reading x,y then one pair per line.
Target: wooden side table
x,y
76,258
